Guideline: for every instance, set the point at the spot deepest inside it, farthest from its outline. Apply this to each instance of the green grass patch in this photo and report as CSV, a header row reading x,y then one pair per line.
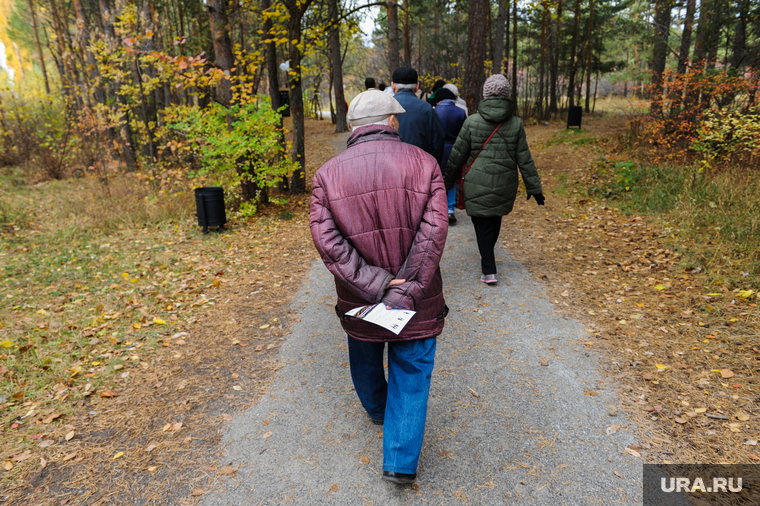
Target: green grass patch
x,y
714,216
572,136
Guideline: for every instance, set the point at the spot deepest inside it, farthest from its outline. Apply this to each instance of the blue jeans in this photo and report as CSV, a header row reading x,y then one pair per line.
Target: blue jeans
x,y
401,401
452,198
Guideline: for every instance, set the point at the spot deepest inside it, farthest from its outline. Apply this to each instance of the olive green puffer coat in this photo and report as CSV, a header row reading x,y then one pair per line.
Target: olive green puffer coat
x,y
490,186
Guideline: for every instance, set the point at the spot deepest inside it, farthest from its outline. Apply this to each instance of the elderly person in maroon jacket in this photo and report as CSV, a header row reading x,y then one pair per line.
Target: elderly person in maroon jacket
x,y
379,220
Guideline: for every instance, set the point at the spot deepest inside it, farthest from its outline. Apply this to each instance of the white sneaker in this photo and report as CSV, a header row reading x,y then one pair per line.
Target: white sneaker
x,y
489,279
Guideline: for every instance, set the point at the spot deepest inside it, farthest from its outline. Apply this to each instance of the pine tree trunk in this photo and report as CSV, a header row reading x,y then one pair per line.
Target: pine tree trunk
x,y
498,47
554,55
588,53
739,47
476,54
217,16
573,50
688,25
407,36
298,151
514,54
393,55
337,69
662,11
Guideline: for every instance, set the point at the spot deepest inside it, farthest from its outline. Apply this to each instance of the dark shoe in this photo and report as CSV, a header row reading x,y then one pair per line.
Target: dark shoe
x,y
452,219
400,478
376,422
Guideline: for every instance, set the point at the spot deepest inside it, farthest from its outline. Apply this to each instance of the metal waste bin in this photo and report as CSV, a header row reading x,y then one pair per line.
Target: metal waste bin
x,y
209,202
574,116
285,101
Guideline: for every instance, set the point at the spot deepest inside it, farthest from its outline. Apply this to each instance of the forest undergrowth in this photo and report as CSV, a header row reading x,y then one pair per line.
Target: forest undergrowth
x,y
128,337
664,295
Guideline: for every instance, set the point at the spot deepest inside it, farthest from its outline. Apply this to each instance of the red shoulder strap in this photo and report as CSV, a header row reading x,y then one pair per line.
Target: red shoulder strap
x,y
481,149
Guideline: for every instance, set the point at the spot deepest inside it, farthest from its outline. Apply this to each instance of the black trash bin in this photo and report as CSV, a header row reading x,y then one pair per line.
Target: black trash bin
x,y
574,116
209,202
285,101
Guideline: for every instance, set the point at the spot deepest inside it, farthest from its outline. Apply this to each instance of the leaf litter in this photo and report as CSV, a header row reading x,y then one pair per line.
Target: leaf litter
x,y
175,305
665,331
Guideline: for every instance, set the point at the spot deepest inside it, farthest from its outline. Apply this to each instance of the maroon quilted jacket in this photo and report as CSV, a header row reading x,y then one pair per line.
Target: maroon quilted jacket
x,y
379,212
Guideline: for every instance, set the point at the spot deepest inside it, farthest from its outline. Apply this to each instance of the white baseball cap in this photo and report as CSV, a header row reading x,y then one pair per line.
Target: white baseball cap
x,y
372,106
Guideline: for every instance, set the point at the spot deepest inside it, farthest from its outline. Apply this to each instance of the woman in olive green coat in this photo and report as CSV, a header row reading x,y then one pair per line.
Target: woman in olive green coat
x,y
490,185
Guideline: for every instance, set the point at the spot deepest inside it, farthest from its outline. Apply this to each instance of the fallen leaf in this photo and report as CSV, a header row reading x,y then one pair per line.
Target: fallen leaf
x,y
680,420
751,442
726,373
197,492
700,410
742,416
612,429
321,390
334,487
239,388
43,463
159,321
7,343
735,427
118,455
228,470
660,367
591,393
544,362
69,456
69,435
660,287
364,460
633,452
175,427
647,376
150,448
108,394
52,417
265,326
21,456
617,474
752,456
8,465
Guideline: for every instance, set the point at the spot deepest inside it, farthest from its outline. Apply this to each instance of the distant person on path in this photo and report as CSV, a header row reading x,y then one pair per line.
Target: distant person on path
x,y
452,118
369,83
460,103
420,125
431,96
490,184
378,220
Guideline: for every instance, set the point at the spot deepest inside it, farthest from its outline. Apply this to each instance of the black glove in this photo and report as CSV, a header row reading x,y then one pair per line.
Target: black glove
x,y
539,198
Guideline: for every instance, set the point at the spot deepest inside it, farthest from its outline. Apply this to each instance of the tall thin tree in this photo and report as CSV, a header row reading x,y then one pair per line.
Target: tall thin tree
x,y
476,53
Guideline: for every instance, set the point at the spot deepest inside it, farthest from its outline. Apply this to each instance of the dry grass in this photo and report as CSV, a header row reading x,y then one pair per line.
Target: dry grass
x,y
624,275
224,298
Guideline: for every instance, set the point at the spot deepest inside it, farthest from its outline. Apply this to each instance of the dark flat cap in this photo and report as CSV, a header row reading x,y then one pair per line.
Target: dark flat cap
x,y
404,75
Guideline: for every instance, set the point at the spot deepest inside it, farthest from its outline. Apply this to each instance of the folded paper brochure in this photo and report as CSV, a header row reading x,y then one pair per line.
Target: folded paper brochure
x,y
392,319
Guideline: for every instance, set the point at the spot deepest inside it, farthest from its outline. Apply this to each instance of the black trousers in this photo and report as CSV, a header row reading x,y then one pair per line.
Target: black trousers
x,y
487,233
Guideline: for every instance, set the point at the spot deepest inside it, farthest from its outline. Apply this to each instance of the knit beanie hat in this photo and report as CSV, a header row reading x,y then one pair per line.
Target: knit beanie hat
x,y
497,86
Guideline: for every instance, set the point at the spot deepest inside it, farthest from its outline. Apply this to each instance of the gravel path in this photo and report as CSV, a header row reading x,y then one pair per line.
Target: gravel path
x,y
502,428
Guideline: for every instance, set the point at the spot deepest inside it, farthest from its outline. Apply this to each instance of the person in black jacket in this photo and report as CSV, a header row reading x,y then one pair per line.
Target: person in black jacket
x,y
420,126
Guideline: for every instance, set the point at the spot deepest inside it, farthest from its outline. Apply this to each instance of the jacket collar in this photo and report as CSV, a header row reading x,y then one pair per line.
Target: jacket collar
x,y
372,133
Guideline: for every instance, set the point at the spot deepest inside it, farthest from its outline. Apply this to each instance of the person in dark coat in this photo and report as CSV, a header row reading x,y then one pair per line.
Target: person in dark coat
x,y
452,118
419,126
378,220
369,83
490,186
